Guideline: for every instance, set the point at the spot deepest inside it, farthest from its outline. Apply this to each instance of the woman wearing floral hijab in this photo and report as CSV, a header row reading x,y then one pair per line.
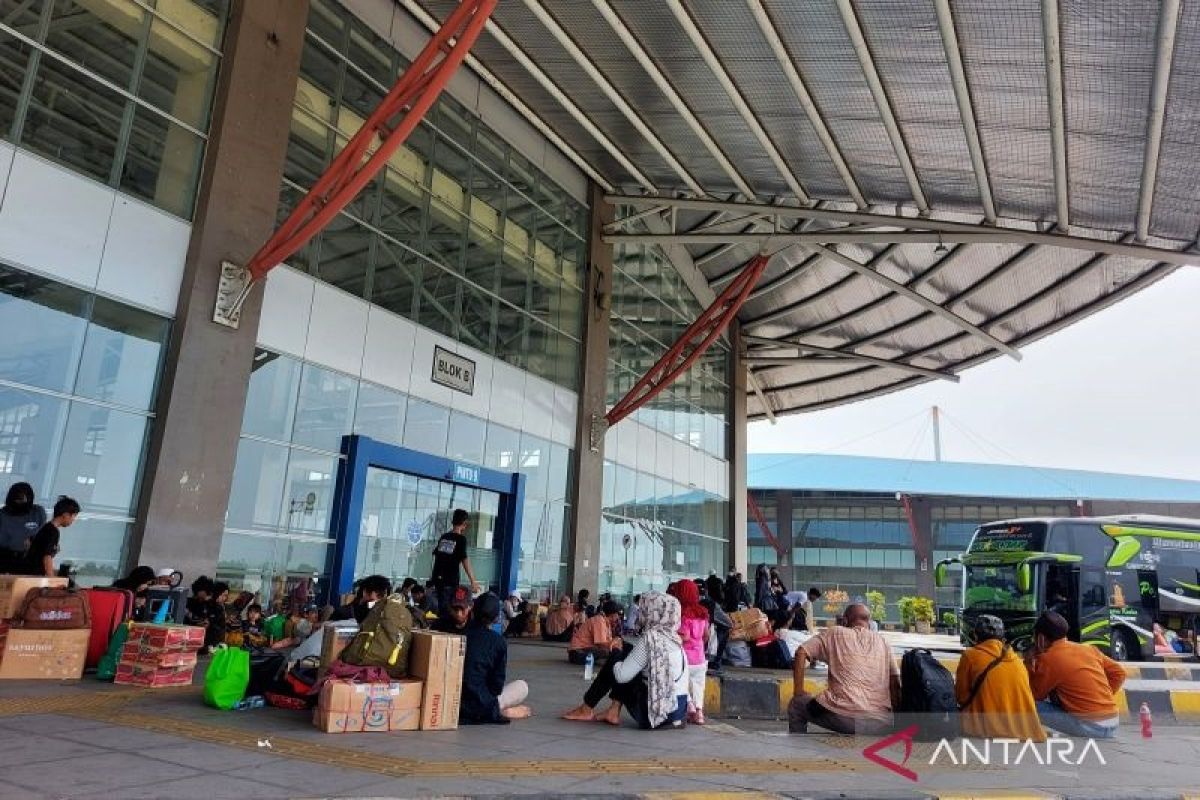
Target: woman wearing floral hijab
x,y
651,681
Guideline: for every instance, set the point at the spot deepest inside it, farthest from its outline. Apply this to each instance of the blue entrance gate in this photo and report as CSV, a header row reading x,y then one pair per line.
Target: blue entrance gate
x,y
362,453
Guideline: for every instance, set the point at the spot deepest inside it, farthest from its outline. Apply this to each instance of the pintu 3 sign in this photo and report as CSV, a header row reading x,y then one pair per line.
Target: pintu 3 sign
x,y
453,371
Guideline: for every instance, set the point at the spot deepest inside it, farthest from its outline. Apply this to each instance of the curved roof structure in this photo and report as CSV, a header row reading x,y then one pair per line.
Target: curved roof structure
x,y
940,182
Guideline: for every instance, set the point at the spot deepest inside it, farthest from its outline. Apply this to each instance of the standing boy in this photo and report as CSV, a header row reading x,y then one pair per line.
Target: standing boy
x,y
448,554
44,547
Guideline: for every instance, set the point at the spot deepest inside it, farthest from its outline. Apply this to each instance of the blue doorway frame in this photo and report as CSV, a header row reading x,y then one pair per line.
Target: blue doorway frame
x,y
362,453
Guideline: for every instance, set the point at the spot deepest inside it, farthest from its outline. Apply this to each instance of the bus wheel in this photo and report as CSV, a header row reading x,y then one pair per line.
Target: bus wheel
x,y
1123,645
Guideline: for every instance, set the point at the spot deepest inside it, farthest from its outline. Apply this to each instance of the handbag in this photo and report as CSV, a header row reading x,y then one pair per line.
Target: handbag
x,y
227,677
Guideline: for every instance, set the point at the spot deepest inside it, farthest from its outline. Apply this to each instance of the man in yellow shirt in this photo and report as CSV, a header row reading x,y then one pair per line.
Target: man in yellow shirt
x,y
992,688
1074,684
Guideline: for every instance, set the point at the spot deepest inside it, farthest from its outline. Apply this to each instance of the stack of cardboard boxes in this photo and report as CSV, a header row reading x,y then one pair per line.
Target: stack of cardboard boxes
x,y
33,653
159,655
427,701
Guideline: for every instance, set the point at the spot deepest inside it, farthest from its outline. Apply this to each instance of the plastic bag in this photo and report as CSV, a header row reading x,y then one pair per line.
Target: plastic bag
x,y
227,677
106,668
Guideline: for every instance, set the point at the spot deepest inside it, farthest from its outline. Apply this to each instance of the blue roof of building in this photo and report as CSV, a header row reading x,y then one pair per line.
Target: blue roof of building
x,y
962,479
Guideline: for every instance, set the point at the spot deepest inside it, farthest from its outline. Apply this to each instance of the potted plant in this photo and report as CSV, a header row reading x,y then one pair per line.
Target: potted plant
x,y
907,618
877,602
922,610
950,622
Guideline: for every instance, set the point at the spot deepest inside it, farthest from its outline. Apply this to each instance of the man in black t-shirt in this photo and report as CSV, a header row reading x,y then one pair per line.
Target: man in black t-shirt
x,y
450,552
44,547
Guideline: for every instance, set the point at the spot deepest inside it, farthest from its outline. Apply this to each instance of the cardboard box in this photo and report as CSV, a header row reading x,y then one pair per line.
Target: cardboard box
x,y
437,659
165,637
132,674
334,638
135,653
13,589
348,707
44,654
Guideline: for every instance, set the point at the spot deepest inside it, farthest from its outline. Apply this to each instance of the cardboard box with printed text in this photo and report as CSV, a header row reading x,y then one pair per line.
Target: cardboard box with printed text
x,y
43,654
349,707
437,659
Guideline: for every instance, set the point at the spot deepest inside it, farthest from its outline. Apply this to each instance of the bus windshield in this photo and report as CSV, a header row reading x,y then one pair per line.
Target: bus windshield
x,y
994,588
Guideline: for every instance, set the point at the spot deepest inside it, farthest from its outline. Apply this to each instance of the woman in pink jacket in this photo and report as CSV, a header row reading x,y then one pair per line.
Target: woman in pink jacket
x,y
693,630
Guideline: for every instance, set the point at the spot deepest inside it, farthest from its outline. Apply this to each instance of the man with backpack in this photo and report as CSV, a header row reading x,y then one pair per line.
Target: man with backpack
x,y
863,685
992,688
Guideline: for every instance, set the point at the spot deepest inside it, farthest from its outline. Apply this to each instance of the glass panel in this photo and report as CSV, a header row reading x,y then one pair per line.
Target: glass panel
x,y
200,18
101,458
466,437
105,45
256,497
31,431
178,75
308,492
325,408
162,163
345,255
14,63
42,328
380,413
535,464
93,548
426,426
501,449
73,120
121,355
248,563
271,396
394,284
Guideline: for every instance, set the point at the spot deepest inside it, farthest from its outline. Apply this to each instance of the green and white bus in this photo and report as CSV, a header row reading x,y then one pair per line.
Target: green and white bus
x,y
1111,577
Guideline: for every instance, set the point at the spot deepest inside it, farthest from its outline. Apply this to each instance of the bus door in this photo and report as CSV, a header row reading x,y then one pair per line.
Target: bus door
x,y
1062,594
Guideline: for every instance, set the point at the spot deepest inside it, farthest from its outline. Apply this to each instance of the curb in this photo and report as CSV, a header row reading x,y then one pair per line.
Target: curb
x,y
767,697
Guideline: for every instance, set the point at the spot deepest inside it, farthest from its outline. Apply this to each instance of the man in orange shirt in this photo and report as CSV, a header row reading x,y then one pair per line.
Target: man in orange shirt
x,y
596,635
1074,684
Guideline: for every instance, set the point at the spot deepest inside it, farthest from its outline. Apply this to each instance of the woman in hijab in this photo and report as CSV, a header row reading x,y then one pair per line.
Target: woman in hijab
x,y
764,598
20,519
560,623
651,681
137,581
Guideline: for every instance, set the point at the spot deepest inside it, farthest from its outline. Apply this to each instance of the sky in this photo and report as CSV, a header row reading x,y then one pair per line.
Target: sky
x,y
1117,392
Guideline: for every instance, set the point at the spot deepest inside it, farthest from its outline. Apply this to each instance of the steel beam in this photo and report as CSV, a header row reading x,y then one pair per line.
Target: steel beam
x,y
735,96
380,136
764,528
1168,21
509,96
962,94
681,108
762,396
854,29
806,101
610,91
1051,41
692,343
849,355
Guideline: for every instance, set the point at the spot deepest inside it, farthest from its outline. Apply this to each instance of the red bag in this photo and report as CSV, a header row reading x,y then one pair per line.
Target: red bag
x,y
53,609
110,609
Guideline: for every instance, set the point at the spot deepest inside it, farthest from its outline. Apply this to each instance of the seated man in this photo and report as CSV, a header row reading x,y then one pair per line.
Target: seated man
x,y
1074,684
595,635
370,590
863,685
456,619
486,698
992,688
559,624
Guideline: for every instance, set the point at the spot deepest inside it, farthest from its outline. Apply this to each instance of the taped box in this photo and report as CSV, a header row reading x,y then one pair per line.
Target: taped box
x,y
437,659
153,676
135,653
44,654
349,707
13,589
163,637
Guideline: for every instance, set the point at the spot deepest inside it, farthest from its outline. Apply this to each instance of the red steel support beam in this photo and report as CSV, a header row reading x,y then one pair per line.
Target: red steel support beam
x,y
385,130
757,513
692,343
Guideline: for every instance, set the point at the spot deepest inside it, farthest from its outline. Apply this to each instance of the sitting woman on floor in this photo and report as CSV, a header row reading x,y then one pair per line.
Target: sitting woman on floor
x,y
560,623
651,680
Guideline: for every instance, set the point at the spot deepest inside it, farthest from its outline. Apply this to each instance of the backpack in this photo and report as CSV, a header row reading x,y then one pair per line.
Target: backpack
x,y
53,609
927,697
384,638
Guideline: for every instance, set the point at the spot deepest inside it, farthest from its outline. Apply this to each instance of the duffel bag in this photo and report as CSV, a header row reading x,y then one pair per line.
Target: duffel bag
x,y
54,609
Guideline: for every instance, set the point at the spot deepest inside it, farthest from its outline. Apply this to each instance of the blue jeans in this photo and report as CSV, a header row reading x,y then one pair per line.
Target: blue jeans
x,y
1055,717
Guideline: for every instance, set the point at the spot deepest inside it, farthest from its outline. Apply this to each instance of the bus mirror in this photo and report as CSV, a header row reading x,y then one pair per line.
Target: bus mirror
x,y
1024,578
1127,547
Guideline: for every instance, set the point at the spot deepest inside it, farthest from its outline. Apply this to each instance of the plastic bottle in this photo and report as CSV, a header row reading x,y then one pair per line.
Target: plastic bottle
x,y
253,701
589,666
1147,721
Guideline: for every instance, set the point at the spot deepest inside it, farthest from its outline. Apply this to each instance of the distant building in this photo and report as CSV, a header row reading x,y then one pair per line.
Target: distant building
x,y
856,523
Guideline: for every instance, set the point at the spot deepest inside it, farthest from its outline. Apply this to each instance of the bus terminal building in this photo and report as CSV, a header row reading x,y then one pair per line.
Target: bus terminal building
x,y
582,260
858,523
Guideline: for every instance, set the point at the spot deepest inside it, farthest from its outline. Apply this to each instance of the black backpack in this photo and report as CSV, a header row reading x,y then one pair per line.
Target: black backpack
x,y
927,697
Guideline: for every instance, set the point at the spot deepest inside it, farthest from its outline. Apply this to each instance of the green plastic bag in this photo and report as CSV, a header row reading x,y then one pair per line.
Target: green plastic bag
x,y
273,627
227,677
106,668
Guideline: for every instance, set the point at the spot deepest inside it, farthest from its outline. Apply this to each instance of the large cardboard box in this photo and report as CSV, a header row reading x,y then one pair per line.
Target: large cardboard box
x,y
136,653
42,654
13,589
334,638
348,707
166,637
437,659
136,674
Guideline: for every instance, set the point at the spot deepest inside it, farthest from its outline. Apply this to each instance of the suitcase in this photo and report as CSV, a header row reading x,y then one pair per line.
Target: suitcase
x,y
110,609
174,600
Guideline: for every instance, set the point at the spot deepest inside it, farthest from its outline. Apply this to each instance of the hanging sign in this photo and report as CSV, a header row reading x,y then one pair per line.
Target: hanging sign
x,y
453,371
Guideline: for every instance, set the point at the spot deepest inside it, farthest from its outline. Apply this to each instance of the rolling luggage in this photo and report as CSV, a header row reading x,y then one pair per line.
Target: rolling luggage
x,y
110,609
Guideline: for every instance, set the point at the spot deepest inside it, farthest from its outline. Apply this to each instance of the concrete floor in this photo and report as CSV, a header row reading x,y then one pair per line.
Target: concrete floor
x,y
95,740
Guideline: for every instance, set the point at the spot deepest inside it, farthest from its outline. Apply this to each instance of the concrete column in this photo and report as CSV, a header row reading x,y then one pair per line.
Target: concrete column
x,y
923,551
189,466
588,457
735,450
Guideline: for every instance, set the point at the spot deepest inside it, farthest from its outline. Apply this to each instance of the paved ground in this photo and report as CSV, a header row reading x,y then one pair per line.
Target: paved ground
x,y
94,740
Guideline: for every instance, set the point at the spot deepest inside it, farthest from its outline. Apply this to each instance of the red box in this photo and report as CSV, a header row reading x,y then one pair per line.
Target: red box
x,y
136,653
143,675
166,637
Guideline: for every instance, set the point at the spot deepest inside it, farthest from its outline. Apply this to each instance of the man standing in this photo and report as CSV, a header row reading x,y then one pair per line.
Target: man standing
x,y
450,552
863,686
44,547
1074,684
810,611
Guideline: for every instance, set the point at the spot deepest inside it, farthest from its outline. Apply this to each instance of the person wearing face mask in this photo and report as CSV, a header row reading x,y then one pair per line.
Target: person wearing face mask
x,y
20,520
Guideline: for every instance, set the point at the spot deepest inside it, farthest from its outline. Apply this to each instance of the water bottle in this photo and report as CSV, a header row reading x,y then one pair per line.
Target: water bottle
x,y
589,666
253,701
1147,721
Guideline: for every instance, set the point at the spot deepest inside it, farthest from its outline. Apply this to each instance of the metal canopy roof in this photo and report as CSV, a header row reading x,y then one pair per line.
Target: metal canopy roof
x,y
941,182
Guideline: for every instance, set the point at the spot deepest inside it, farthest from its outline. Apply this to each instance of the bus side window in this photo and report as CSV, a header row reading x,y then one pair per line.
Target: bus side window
x,y
1083,539
1092,595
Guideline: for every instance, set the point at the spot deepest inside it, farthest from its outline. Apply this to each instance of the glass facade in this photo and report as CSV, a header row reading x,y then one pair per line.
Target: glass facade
x,y
277,535
78,375
657,528
459,233
118,90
